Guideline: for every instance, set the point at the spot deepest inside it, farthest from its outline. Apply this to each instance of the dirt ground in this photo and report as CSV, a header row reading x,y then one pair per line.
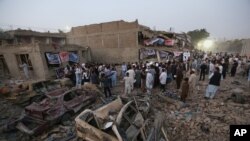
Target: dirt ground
x,y
197,119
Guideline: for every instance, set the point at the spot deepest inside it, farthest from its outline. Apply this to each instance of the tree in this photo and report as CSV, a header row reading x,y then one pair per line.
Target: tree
x,y
198,35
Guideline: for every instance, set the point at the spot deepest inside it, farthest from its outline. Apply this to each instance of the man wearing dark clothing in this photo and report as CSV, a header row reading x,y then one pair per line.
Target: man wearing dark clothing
x,y
157,74
224,70
203,68
143,80
173,69
179,76
214,84
184,90
234,68
106,85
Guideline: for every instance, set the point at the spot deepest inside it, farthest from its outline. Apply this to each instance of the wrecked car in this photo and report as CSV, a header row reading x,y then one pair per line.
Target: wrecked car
x,y
57,106
28,92
115,121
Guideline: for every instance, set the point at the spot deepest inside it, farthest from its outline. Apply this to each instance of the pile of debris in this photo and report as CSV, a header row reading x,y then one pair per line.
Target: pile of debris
x,y
201,119
159,117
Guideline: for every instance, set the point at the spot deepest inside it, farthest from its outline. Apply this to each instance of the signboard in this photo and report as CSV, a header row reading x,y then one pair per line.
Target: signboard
x,y
147,53
73,57
53,58
64,56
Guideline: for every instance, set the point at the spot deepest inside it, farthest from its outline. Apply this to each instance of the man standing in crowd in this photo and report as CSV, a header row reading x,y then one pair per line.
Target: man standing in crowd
x,y
149,82
124,69
131,73
234,68
221,68
106,85
184,90
153,72
128,84
194,64
113,76
211,67
78,74
163,79
225,68
143,80
192,83
203,69
137,77
179,75
214,84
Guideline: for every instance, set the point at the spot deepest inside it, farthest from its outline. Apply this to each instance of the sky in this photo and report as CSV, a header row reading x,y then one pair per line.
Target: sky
x,y
228,19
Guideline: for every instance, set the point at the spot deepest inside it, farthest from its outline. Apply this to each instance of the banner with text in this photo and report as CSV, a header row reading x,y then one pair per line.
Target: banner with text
x,y
64,56
73,57
53,58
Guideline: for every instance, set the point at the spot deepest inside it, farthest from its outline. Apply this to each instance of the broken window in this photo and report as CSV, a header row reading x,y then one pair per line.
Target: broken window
x,y
24,58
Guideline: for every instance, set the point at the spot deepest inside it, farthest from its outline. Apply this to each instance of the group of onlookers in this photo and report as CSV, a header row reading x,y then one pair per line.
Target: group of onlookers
x,y
149,75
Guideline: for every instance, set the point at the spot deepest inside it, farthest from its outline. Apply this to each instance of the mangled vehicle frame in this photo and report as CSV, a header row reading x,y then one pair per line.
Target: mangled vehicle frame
x,y
114,122
31,91
57,106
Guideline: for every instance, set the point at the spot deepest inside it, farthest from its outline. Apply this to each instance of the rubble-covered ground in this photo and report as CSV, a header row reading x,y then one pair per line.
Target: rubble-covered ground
x,y
197,119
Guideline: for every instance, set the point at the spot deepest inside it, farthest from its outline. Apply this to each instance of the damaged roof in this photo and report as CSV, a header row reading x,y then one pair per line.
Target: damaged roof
x,y
22,32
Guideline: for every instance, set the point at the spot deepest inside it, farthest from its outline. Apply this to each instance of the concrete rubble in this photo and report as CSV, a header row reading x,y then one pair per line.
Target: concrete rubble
x,y
202,119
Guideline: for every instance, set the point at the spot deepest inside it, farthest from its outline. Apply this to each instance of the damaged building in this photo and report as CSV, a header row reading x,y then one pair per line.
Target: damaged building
x,y
38,50
110,42
120,41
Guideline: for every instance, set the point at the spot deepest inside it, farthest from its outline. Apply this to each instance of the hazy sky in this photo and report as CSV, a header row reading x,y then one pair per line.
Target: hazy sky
x,y
221,18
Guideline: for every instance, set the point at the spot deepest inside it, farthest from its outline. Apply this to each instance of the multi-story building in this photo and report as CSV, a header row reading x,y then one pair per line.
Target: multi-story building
x,y
25,46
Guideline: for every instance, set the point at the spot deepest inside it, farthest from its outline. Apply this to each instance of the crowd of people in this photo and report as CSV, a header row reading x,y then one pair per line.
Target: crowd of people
x,y
149,75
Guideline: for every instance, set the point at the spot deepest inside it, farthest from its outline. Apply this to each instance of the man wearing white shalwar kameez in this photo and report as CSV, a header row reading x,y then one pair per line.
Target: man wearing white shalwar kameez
x,y
149,82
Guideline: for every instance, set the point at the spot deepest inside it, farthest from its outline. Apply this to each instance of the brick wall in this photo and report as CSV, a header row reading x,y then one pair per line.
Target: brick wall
x,y
107,35
114,55
107,38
